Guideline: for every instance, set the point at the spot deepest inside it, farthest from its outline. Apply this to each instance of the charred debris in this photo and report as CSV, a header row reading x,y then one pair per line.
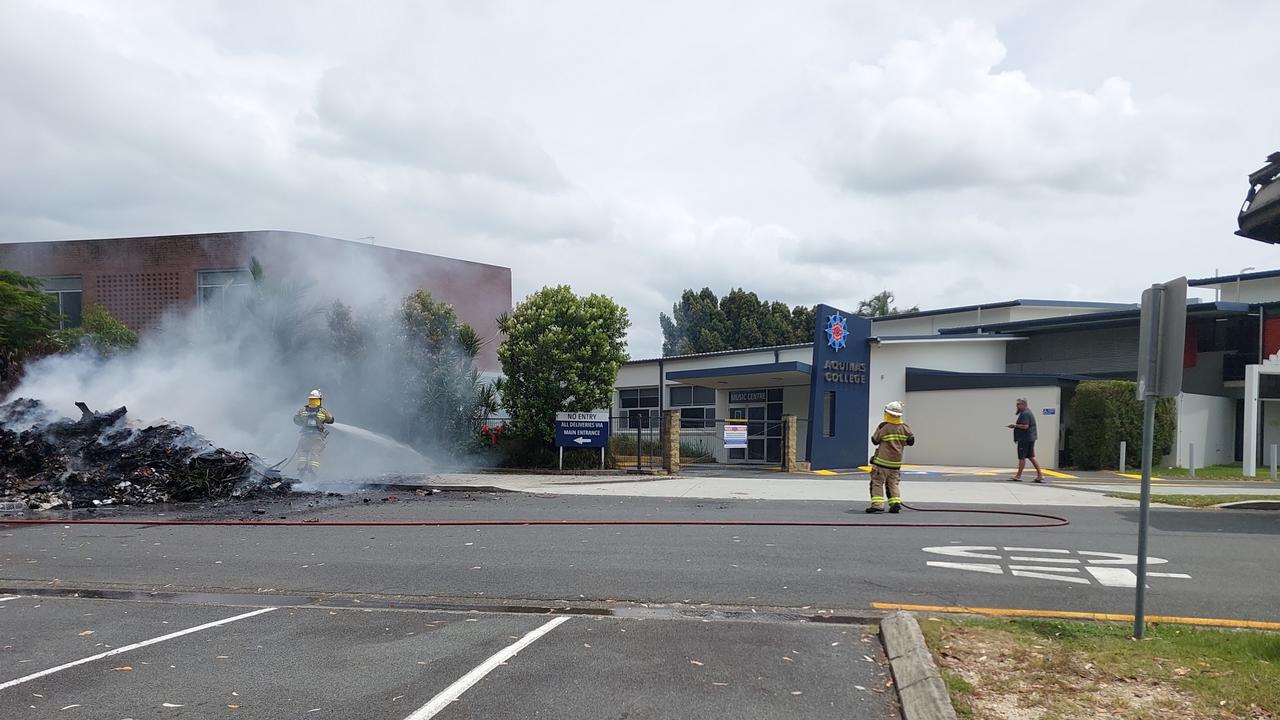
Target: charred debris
x,y
105,458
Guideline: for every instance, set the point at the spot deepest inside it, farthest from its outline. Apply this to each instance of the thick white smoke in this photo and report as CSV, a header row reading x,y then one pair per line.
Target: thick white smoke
x,y
237,375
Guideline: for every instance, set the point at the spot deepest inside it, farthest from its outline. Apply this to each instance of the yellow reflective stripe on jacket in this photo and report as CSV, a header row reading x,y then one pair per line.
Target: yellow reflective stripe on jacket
x,y
891,464
903,438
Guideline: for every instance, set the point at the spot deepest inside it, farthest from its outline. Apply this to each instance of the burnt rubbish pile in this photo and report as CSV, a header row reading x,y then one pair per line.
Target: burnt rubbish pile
x,y
103,458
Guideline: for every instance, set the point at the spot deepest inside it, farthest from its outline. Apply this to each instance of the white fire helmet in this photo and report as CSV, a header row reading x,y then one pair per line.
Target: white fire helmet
x,y
894,408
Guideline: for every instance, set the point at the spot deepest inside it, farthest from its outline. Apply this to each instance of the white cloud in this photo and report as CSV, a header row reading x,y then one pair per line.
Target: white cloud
x,y
638,153
939,113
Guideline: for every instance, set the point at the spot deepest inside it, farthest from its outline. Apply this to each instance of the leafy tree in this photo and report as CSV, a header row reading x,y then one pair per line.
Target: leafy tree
x,y
701,322
27,323
445,392
100,331
562,353
881,305
697,324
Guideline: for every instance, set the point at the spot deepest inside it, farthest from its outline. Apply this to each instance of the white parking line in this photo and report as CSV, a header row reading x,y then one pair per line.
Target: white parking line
x,y
134,646
7,598
454,691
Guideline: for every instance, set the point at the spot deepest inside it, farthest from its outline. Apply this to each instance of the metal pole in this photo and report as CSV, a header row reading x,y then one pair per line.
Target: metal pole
x,y
1148,440
562,458
638,442
1144,514
1123,452
601,457
1192,459
1273,463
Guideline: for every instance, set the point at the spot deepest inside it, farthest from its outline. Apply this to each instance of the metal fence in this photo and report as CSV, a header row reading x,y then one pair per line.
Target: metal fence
x,y
703,441
635,441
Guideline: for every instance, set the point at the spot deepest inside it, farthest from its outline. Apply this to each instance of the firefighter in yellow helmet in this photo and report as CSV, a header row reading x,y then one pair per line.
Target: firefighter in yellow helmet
x,y
312,434
891,438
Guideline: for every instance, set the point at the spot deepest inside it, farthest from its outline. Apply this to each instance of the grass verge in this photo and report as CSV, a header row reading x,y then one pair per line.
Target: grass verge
x,y
1211,472
1057,670
1193,500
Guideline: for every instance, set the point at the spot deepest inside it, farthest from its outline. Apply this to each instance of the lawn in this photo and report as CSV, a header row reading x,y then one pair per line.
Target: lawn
x,y
1193,500
1058,670
1212,472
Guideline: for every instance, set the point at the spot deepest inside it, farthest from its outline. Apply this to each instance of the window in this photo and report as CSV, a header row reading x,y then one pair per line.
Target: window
x,y
828,414
216,288
639,408
697,407
684,396
697,418
65,299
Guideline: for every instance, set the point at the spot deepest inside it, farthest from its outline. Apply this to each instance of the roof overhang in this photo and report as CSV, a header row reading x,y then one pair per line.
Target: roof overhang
x,y
779,374
924,379
952,339
1259,217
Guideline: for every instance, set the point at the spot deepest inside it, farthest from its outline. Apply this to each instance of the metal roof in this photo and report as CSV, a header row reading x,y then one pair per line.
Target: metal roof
x,y
1122,317
1020,302
765,348
1224,279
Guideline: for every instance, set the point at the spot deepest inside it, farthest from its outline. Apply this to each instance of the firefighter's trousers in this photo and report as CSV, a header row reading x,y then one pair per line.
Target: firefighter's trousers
x,y
310,447
883,479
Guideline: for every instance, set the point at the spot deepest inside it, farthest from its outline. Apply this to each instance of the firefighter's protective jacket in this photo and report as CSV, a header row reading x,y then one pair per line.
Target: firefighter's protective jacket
x,y
313,419
890,440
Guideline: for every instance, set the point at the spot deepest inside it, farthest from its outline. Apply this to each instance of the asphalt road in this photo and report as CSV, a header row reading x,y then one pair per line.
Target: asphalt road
x,y
318,662
1226,554
362,606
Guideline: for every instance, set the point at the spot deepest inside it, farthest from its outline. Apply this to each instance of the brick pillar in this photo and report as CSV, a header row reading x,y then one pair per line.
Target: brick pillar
x,y
671,441
789,447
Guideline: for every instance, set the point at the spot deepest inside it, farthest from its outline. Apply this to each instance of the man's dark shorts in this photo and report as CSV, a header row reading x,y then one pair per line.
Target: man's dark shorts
x,y
1026,450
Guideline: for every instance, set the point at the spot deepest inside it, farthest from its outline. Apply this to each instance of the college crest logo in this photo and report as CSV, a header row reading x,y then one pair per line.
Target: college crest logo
x,y
837,331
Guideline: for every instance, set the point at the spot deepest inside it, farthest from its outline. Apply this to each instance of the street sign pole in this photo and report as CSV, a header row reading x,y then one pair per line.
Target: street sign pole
x,y
1161,343
1147,381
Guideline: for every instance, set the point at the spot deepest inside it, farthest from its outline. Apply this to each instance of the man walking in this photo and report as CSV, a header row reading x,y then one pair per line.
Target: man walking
x,y
1024,436
890,438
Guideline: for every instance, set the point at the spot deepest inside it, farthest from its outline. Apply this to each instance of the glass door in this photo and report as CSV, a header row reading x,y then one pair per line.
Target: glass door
x,y
764,432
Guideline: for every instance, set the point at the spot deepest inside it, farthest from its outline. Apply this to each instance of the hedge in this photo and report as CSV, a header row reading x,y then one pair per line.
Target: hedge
x,y
1104,412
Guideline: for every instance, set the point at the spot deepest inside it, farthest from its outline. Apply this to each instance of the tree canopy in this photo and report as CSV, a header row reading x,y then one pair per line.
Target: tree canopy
x,y
881,305
702,322
562,353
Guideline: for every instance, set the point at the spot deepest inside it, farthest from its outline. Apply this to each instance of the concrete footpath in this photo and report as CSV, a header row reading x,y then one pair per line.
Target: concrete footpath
x,y
951,487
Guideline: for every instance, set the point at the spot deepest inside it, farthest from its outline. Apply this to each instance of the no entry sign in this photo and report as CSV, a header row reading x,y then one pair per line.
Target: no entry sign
x,y
582,429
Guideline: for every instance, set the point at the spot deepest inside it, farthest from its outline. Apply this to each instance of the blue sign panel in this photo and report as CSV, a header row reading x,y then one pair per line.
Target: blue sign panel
x,y
583,429
839,390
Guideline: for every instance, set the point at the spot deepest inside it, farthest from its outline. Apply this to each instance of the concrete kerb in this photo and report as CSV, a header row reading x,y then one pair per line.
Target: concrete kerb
x,y
921,690
1251,505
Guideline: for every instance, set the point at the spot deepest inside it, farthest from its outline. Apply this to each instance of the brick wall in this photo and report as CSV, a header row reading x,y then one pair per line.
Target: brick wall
x,y
138,279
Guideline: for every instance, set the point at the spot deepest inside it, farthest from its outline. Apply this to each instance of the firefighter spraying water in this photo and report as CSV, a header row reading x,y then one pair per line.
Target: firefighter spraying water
x,y
312,433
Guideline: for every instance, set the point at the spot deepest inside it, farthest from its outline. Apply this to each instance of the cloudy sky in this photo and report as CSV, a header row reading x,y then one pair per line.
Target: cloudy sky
x,y
810,151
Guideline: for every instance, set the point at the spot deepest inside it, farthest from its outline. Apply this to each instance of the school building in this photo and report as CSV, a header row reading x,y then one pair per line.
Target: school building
x,y
959,371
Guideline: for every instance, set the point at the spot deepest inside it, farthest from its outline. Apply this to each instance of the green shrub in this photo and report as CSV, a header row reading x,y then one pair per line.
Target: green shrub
x,y
100,330
518,452
1105,412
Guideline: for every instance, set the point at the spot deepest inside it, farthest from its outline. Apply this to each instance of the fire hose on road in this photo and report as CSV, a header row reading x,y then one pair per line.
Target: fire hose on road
x,y
1045,521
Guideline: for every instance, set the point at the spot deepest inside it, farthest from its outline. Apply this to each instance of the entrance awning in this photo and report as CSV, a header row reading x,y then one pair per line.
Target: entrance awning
x,y
779,374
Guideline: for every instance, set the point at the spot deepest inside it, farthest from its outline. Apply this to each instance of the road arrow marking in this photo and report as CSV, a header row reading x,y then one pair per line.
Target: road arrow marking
x,y
1099,566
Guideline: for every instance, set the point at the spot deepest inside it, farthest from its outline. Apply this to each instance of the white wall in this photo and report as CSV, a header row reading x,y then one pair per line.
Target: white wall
x,y
1208,421
1270,434
890,361
1265,290
967,427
